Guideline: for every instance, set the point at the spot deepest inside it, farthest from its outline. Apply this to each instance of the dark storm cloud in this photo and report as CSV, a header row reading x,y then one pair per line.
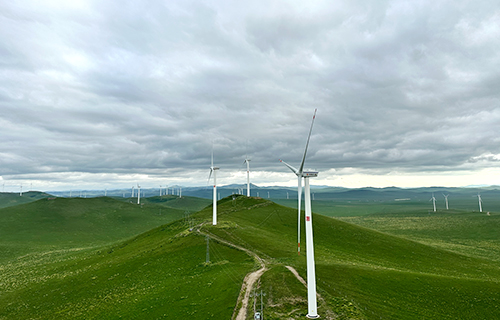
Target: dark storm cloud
x,y
130,87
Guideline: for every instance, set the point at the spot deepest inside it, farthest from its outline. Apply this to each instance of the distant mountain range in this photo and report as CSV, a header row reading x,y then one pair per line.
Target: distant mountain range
x,y
278,192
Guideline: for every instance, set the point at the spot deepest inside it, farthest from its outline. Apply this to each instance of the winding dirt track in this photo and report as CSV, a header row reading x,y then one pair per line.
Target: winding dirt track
x,y
248,282
250,279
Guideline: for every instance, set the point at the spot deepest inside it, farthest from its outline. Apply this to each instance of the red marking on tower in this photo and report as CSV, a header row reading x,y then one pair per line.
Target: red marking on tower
x,y
308,218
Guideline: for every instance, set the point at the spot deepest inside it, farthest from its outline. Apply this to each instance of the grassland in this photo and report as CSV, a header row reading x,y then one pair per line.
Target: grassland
x,y
158,275
186,203
362,273
69,223
8,199
374,274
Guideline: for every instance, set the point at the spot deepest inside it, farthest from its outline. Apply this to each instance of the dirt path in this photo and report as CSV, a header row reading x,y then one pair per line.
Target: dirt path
x,y
248,282
297,275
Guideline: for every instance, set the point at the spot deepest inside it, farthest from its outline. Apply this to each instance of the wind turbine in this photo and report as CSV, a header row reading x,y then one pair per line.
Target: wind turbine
x,y
446,199
132,192
138,194
160,190
312,305
247,161
214,171
433,199
480,202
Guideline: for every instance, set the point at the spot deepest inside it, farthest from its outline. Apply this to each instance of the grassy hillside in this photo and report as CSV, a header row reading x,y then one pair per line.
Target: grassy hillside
x,y
8,199
158,275
384,276
64,223
366,201
186,203
470,233
361,273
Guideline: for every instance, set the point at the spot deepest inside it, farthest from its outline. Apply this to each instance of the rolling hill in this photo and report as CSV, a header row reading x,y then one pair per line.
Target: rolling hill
x,y
68,223
8,199
361,273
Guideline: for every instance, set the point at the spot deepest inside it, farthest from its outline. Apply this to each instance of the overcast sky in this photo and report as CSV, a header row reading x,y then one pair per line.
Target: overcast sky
x,y
103,94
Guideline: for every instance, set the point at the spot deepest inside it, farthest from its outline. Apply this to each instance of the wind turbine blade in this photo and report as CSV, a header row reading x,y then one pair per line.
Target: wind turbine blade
x,y
210,176
289,166
307,144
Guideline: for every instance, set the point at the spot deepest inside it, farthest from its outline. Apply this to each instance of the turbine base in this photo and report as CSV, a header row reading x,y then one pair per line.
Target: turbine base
x,y
313,317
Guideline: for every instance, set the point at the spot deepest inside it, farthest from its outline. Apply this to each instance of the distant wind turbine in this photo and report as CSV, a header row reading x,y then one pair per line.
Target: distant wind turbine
x,y
446,200
160,190
433,199
480,202
132,192
138,194
247,161
214,171
311,272
21,191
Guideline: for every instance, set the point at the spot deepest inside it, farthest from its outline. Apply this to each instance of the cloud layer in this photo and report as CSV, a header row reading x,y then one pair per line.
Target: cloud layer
x,y
124,88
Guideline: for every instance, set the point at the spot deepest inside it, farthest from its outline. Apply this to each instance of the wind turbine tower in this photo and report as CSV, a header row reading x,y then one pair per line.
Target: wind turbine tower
x,y
312,304
433,199
21,191
214,171
480,202
132,192
446,200
138,194
247,161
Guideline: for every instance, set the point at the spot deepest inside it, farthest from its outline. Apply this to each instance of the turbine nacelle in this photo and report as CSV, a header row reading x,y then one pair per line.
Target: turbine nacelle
x,y
309,174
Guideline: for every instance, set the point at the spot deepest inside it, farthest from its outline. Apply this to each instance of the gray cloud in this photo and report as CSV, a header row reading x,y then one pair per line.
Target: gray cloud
x,y
128,87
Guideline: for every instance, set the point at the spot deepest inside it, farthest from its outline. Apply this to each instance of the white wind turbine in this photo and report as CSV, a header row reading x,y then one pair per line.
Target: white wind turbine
x,y
312,305
138,194
433,199
446,200
214,171
480,202
132,192
247,161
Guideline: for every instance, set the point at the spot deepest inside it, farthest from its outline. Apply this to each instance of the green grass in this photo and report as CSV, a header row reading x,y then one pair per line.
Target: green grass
x,y
64,223
14,199
186,203
158,275
386,276
362,273
472,234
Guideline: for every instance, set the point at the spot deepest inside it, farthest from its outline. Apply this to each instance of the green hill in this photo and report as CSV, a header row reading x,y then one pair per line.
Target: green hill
x,y
186,203
361,273
13,199
63,223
